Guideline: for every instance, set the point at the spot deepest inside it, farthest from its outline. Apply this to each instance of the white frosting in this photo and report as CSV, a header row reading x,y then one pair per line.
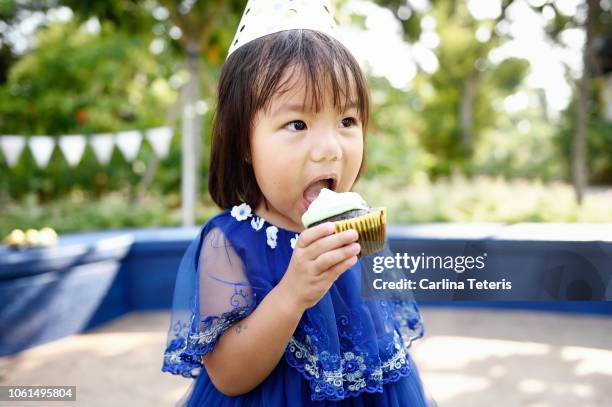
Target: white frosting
x,y
330,203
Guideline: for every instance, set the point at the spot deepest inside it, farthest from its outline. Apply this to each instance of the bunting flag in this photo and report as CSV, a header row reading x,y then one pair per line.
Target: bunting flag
x,y
102,145
12,146
129,143
42,148
72,147
160,138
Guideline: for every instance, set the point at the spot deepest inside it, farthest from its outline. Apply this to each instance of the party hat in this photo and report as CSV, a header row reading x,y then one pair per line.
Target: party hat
x,y
264,17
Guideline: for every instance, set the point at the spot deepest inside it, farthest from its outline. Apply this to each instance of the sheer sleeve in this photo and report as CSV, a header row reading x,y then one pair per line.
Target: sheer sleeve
x,y
221,295
225,293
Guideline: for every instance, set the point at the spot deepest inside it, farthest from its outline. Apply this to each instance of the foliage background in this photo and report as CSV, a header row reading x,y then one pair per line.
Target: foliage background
x,y
442,149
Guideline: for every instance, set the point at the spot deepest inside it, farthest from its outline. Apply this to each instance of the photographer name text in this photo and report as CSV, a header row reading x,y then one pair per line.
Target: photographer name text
x,y
409,264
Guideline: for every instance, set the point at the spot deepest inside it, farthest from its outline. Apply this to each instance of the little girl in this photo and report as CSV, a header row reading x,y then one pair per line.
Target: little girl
x,y
267,313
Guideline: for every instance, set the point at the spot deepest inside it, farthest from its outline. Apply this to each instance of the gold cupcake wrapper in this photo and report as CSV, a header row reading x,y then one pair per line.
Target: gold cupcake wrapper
x,y
372,229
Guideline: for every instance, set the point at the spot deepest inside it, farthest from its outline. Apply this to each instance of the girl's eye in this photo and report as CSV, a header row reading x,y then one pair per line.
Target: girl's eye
x,y
296,125
349,121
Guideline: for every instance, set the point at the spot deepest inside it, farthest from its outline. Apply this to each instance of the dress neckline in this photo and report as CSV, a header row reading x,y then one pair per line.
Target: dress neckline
x,y
243,211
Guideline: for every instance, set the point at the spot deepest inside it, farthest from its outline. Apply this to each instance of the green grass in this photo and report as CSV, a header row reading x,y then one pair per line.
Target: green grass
x,y
79,212
483,199
486,199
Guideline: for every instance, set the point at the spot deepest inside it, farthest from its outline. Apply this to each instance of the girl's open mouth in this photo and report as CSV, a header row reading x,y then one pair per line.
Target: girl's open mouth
x,y
314,188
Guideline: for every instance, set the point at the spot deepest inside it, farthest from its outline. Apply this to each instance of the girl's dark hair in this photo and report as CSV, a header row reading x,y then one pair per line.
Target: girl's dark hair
x,y
250,78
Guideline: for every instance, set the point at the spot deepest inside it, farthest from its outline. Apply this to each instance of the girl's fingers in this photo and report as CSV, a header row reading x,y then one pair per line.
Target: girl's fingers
x,y
334,257
337,270
310,235
331,242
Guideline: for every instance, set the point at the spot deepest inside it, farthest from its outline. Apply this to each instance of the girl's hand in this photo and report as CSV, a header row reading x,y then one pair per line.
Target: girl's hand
x,y
319,258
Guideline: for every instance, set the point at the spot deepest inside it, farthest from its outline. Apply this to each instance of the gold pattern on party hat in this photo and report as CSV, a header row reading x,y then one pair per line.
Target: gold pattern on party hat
x,y
264,17
371,228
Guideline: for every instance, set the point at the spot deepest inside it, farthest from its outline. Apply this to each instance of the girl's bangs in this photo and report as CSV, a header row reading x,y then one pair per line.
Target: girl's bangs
x,y
322,66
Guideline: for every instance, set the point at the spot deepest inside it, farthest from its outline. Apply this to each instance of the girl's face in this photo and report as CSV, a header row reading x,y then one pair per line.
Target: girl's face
x,y
296,152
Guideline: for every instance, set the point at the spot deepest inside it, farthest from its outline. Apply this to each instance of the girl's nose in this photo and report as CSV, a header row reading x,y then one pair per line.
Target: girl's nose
x,y
326,147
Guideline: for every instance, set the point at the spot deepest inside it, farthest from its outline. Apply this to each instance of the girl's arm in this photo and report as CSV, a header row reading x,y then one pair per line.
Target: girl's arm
x,y
248,352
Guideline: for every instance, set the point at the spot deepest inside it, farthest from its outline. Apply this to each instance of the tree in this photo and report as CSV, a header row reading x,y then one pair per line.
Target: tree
x,y
12,13
595,19
459,108
203,26
198,22
590,68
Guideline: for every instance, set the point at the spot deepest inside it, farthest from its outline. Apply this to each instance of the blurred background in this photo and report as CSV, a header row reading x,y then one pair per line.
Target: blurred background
x,y
493,112
476,103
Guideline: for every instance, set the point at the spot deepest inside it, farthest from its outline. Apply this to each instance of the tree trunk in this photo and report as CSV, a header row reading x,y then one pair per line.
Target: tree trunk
x,y
579,168
190,94
147,178
466,113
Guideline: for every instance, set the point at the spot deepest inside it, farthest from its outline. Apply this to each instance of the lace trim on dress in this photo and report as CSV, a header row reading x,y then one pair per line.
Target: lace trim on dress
x,y
336,377
184,353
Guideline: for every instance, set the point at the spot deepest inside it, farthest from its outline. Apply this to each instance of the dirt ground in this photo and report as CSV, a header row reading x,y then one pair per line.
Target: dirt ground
x,y
468,357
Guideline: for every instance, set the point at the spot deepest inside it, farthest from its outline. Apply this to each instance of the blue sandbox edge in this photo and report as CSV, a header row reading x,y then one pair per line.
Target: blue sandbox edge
x,y
91,278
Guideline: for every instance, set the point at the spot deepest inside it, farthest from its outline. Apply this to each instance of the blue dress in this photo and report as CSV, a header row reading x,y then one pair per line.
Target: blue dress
x,y
346,351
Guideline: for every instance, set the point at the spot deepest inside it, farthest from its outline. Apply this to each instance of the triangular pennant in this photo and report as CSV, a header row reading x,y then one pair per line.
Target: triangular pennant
x,y
129,143
102,145
159,138
73,148
42,148
12,146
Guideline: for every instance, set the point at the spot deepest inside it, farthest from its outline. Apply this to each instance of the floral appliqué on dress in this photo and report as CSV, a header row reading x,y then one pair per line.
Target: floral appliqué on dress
x,y
243,211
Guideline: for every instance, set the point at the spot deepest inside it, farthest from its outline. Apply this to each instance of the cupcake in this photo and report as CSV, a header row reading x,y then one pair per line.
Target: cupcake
x,y
347,210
